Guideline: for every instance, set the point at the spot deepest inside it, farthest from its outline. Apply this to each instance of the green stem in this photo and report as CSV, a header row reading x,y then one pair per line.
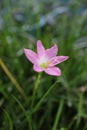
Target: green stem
x,y
58,114
41,100
35,89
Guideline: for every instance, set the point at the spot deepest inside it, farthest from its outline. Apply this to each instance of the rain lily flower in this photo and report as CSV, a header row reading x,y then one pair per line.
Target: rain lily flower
x,y
45,59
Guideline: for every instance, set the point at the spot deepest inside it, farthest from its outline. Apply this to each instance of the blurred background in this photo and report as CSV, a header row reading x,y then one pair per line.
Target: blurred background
x,y
22,23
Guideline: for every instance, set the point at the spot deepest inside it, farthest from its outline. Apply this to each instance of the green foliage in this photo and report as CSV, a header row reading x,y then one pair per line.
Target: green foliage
x,y
59,102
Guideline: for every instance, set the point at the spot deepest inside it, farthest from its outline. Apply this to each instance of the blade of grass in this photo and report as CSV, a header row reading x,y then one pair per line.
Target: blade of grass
x,y
71,123
10,120
80,111
41,100
28,116
13,80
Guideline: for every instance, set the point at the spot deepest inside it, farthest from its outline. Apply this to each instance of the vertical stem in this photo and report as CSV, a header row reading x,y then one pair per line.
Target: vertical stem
x,y
35,89
58,115
34,93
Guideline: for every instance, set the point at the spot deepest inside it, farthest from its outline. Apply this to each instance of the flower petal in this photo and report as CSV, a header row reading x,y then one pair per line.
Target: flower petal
x,y
57,59
40,49
55,71
32,56
51,52
37,68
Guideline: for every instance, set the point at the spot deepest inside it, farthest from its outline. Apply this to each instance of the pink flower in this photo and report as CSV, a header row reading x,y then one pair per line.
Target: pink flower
x,y
45,59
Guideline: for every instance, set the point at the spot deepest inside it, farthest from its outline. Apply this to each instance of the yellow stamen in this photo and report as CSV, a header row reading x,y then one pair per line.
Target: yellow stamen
x,y
45,65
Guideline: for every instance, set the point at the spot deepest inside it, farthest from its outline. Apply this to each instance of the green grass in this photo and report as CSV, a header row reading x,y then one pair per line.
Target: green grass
x,y
59,103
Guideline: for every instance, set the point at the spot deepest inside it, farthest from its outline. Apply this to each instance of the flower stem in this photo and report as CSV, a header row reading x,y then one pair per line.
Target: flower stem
x,y
35,89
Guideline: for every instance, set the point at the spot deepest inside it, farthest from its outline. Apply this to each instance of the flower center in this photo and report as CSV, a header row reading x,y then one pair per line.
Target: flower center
x,y
44,65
